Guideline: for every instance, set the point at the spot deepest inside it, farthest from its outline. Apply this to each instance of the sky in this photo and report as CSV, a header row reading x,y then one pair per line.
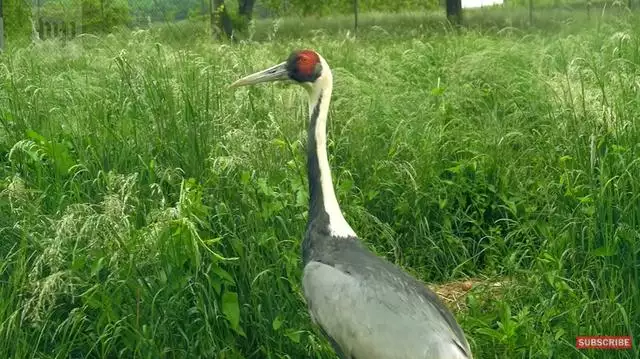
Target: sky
x,y
479,3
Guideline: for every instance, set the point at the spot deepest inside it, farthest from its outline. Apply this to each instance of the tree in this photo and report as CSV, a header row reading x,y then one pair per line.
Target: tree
x,y
102,15
245,9
454,11
221,19
16,20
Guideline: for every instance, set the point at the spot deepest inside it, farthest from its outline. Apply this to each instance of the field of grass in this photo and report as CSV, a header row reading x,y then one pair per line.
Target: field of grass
x,y
148,212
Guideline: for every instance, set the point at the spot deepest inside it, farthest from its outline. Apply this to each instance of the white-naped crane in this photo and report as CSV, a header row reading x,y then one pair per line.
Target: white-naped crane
x,y
367,307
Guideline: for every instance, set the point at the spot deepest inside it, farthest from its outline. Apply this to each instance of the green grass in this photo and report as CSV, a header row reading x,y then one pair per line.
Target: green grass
x,y
148,212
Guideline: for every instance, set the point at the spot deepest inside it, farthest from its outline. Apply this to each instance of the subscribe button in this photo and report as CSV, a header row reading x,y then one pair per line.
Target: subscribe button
x,y
604,342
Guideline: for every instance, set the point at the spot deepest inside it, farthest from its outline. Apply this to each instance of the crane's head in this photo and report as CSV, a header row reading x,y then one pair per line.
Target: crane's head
x,y
304,67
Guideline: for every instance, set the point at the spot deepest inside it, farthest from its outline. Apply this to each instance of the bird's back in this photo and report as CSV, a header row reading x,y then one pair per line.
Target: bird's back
x,y
371,308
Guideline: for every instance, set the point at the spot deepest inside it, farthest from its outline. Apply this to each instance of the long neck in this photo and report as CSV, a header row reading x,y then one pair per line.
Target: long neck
x,y
323,203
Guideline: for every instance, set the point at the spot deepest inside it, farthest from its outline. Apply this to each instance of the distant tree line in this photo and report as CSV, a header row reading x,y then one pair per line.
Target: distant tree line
x,y
21,16
326,7
124,12
94,15
226,15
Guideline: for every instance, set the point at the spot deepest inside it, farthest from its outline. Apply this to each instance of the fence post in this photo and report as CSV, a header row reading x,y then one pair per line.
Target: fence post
x,y
530,12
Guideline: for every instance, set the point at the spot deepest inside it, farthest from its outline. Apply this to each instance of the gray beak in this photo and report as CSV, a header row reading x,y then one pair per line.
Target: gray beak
x,y
275,73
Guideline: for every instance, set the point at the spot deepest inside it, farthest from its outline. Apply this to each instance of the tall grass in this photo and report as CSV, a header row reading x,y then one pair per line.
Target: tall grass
x,y
148,212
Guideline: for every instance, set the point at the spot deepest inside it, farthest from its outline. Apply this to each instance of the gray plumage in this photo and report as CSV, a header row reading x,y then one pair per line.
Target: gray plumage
x,y
369,307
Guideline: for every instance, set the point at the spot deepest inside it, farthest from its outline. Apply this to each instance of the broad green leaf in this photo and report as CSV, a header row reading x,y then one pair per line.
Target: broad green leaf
x,y
231,310
277,323
294,336
604,252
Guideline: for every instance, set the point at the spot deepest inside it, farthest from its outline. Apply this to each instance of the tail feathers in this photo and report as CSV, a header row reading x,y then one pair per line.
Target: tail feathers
x,y
463,351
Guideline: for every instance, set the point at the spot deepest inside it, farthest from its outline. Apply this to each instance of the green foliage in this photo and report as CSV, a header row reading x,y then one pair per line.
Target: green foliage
x,y
146,211
167,10
95,15
103,15
17,20
67,10
180,9
334,7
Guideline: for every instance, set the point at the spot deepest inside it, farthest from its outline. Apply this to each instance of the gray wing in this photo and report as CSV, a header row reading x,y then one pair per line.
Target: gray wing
x,y
372,309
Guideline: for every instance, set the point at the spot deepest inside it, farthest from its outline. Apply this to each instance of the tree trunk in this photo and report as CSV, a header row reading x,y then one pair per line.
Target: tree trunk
x,y
454,11
220,20
245,9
